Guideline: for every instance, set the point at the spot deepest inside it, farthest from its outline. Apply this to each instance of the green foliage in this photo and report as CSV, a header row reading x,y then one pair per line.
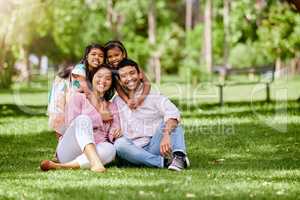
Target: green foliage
x,y
249,55
191,67
278,31
62,29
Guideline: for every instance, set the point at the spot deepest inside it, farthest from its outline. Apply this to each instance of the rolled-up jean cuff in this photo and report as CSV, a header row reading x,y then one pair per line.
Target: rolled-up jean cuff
x,y
179,150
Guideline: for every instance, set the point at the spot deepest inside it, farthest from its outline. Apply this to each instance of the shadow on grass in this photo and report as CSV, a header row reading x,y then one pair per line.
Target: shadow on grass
x,y
259,149
185,105
9,110
242,109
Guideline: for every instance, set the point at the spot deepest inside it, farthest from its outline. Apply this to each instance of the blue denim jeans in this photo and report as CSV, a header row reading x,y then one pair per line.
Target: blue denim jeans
x,y
149,155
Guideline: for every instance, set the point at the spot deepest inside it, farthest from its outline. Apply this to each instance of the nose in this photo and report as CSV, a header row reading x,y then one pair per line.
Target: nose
x,y
114,58
128,77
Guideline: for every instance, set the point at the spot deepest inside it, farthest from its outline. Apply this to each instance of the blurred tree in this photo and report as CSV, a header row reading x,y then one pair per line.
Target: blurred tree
x,y
226,32
208,35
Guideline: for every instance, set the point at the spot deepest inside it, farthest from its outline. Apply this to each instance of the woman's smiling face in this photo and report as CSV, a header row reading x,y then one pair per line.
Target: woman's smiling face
x,y
95,57
102,80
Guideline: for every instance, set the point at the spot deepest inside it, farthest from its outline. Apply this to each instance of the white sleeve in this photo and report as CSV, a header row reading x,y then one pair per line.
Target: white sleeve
x,y
166,108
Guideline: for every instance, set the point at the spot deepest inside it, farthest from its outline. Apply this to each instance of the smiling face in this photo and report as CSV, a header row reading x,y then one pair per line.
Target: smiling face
x,y
102,80
95,57
115,56
129,77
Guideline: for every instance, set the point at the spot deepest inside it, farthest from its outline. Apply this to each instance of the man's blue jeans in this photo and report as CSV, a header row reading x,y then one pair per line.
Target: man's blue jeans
x,y
149,155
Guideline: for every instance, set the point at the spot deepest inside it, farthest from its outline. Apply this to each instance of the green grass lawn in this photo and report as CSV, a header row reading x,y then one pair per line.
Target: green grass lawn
x,y
245,150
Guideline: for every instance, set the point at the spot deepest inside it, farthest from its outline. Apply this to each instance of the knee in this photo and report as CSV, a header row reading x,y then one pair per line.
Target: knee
x,y
178,130
107,152
121,144
83,121
110,149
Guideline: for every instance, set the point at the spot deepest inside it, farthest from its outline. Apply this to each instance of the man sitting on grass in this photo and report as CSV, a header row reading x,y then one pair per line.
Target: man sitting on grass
x,y
152,136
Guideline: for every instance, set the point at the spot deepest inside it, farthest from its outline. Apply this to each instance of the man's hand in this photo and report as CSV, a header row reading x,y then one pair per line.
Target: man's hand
x,y
165,145
117,133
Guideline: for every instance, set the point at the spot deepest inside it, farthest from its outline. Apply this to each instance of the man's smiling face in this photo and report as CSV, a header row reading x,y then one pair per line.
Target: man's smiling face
x,y
129,77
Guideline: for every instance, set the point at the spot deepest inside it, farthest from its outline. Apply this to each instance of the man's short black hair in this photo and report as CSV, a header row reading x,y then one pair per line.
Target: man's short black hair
x,y
128,62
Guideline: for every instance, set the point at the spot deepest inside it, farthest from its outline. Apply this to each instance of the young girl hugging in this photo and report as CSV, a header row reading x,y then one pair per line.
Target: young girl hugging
x,y
115,52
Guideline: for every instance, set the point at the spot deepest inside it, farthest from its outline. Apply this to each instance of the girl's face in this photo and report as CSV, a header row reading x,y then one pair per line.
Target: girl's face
x,y
102,80
95,57
115,56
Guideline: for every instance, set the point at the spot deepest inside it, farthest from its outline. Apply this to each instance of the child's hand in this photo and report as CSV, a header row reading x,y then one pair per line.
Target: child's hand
x,y
135,103
84,88
132,104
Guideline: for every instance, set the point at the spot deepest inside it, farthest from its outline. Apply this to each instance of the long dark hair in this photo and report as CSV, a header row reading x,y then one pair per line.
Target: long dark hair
x,y
111,91
114,44
90,73
65,72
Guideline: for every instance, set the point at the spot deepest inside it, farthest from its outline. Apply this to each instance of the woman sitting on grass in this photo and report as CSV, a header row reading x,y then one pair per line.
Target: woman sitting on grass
x,y
76,78
87,141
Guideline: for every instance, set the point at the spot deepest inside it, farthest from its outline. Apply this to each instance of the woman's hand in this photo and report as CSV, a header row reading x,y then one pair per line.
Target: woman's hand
x,y
106,116
102,108
117,133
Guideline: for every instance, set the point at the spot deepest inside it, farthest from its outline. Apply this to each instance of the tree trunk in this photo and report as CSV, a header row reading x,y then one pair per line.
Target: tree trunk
x,y
154,61
226,32
208,35
114,20
196,13
188,15
278,66
293,64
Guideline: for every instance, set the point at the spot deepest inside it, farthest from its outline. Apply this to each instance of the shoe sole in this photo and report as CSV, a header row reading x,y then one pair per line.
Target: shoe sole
x,y
187,161
174,168
188,164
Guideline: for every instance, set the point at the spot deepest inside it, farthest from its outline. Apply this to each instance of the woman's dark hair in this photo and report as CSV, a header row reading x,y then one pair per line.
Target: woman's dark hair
x,y
65,72
114,44
90,73
128,62
111,91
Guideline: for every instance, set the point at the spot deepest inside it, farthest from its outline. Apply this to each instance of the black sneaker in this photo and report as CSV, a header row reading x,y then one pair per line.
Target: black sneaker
x,y
167,161
179,163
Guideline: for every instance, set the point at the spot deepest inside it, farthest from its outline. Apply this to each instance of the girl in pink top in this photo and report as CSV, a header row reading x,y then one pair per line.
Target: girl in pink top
x,y
87,142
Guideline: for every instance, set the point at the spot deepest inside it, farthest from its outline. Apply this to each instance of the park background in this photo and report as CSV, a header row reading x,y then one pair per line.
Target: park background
x,y
248,148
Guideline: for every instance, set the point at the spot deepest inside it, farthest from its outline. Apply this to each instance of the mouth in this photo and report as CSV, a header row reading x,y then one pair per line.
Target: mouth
x,y
131,84
115,63
100,86
95,62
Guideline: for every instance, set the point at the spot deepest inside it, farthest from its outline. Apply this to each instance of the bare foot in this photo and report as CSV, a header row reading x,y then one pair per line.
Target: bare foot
x,y
48,165
98,169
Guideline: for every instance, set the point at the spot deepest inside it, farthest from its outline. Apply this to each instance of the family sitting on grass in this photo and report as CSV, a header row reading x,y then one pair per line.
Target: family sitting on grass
x,y
93,125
